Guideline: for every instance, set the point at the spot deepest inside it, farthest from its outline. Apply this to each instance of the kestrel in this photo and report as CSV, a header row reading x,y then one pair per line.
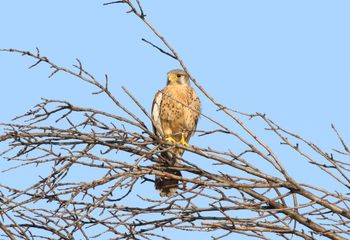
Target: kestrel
x,y
175,113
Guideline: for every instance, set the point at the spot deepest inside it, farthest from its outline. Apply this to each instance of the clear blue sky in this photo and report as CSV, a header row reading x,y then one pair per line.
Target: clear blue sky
x,y
288,59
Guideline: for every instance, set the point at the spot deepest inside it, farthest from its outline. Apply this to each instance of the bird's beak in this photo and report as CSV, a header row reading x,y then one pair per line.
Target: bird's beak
x,y
172,77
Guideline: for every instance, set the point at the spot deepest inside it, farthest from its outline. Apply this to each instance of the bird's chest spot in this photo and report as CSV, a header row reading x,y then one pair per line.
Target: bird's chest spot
x,y
174,104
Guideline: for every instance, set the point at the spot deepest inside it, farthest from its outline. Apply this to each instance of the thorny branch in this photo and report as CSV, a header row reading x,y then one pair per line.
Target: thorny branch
x,y
223,191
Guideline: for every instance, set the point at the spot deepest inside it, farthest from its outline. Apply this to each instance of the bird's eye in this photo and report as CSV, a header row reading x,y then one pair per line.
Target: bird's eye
x,y
178,75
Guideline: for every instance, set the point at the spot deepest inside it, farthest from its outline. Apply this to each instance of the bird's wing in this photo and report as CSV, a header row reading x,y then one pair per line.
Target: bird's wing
x,y
156,109
197,107
193,113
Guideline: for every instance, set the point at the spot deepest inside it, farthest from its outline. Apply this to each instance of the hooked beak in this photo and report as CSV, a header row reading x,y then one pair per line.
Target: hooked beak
x,y
172,77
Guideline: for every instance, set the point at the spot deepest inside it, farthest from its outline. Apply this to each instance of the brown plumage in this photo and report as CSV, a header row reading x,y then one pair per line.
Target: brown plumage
x,y
175,113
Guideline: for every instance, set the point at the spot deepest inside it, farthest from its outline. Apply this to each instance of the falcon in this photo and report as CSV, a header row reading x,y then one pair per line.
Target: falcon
x,y
175,113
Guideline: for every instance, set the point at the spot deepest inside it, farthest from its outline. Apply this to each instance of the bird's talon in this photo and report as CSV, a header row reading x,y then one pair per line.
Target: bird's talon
x,y
170,139
183,141
185,144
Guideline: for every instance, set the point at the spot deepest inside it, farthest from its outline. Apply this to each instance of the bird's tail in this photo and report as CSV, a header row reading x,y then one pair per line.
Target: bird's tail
x,y
167,186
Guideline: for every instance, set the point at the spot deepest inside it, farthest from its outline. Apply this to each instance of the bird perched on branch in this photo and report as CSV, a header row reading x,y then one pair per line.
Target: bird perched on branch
x,y
175,113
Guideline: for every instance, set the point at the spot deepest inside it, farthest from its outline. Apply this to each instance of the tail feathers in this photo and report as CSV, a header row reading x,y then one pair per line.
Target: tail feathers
x,y
167,186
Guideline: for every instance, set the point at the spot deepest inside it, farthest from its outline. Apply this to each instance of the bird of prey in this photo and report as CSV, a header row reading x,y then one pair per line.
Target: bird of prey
x,y
175,113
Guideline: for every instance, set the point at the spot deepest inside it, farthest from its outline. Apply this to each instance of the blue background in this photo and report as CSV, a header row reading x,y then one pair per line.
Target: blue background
x,y
288,59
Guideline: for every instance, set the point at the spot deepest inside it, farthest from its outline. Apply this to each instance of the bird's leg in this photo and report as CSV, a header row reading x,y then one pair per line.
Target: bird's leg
x,y
183,141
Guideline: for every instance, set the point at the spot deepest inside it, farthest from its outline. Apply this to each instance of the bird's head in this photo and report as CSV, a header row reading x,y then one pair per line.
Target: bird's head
x,y
177,76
